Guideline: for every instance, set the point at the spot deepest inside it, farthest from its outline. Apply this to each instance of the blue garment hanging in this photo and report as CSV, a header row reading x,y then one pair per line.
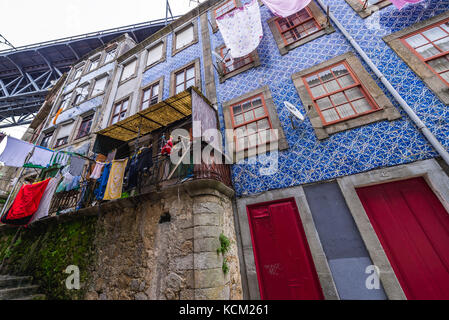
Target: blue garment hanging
x,y
99,192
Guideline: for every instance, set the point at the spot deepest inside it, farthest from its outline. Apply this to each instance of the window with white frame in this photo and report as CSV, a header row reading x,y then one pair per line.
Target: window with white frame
x,y
110,55
94,64
128,70
78,72
155,54
100,86
81,93
65,101
184,37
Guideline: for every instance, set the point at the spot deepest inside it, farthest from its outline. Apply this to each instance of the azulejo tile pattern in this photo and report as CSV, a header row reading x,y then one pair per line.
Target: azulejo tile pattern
x,y
175,62
361,149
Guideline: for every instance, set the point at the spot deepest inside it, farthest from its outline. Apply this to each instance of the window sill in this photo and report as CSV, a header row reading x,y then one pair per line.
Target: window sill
x,y
231,74
176,51
126,80
154,64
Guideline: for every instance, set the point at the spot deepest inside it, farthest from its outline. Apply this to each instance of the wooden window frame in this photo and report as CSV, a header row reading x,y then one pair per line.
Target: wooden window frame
x,y
80,134
57,145
357,84
414,61
245,123
273,118
160,83
49,135
112,48
91,61
134,74
82,67
196,64
92,94
164,53
385,109
113,114
316,14
194,24
358,6
311,18
255,62
86,97
213,17
440,55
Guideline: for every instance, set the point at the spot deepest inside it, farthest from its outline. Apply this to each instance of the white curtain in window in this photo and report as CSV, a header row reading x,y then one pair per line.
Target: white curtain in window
x,y
128,70
154,54
100,86
184,37
64,131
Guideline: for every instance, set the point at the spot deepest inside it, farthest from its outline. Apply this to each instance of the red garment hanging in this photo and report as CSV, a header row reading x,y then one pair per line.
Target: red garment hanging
x,y
25,204
166,150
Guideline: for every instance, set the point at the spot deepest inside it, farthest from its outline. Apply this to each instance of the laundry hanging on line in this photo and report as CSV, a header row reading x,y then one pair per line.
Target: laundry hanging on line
x,y
99,191
241,29
40,159
13,151
286,8
401,3
96,173
115,181
76,165
25,204
44,205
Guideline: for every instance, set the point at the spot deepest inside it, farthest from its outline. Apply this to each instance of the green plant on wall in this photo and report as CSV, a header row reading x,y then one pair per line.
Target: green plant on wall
x,y
225,244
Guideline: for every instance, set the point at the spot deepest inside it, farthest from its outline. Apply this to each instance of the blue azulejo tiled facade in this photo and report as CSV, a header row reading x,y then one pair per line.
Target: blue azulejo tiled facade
x,y
380,144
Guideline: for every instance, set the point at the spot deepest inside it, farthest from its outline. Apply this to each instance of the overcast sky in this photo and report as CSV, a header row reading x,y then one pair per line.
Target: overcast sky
x,y
25,22
29,21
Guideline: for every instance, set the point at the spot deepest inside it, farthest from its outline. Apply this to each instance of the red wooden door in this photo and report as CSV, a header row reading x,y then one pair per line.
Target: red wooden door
x,y
413,228
284,264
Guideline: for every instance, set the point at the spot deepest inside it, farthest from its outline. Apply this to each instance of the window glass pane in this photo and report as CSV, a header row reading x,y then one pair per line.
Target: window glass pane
x,y
184,37
125,105
445,26
155,90
345,110
263,124
110,55
117,108
416,41
445,76
240,132
251,128
94,64
330,115
114,119
443,44
122,115
252,139
313,81
440,64
257,102
326,75
190,83
146,94
129,70
338,98
361,105
354,93
346,81
190,73
237,109
238,119
100,86
318,91
332,86
340,70
434,33
247,106
155,54
324,103
428,51
180,88
259,112
249,116
180,78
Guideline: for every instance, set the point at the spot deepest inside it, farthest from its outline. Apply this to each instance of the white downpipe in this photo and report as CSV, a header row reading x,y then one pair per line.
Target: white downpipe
x,y
418,122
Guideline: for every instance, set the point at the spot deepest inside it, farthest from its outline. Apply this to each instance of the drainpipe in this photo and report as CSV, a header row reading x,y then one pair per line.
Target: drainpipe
x,y
418,122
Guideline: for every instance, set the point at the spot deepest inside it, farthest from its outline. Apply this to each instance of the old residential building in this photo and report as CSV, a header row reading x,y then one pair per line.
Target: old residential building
x,y
355,187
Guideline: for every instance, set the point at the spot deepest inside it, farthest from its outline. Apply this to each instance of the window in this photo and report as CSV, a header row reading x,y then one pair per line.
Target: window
x,y
250,122
185,79
155,54
431,45
85,126
297,26
61,141
304,26
225,8
78,72
230,64
365,8
129,70
339,94
185,36
150,96
81,94
100,86
253,122
46,140
424,46
110,55
65,101
119,111
94,64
